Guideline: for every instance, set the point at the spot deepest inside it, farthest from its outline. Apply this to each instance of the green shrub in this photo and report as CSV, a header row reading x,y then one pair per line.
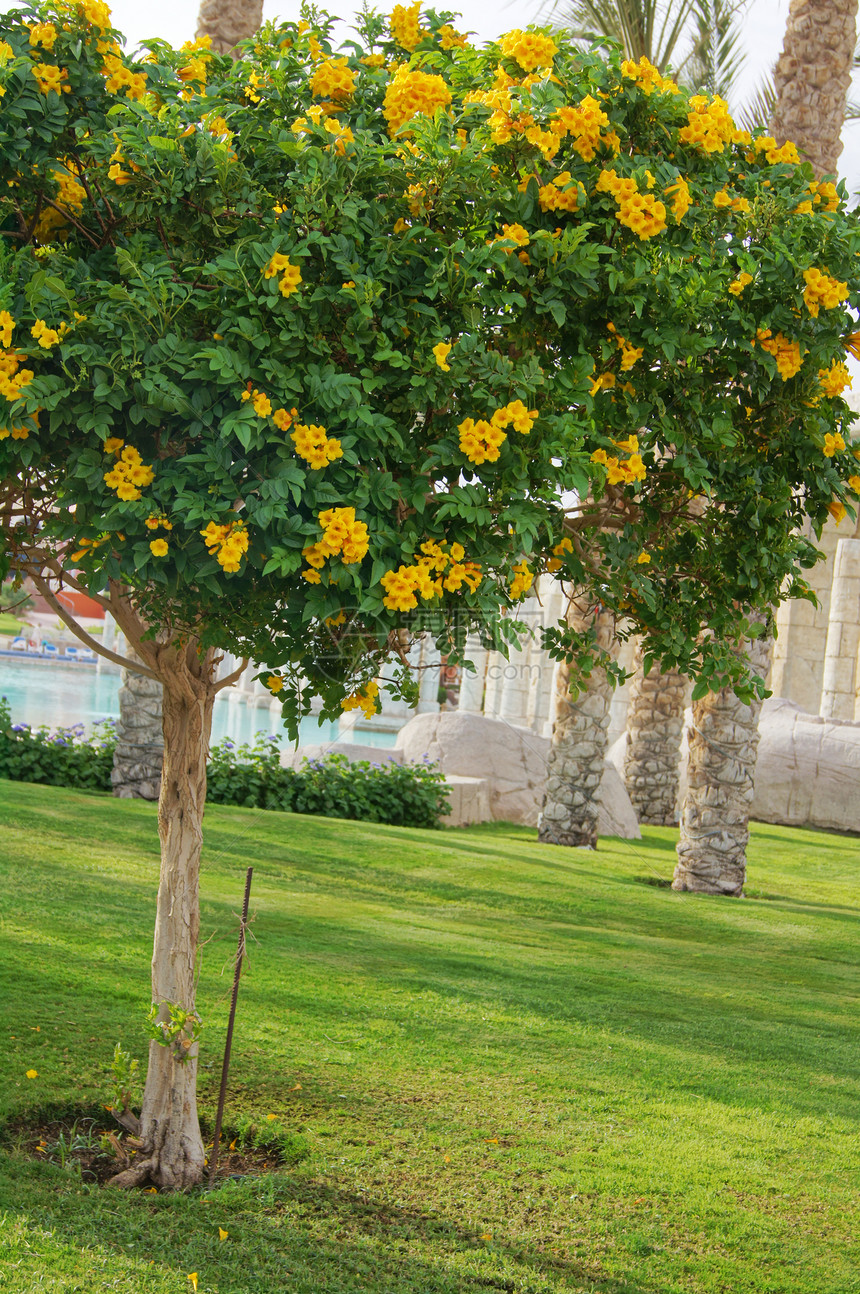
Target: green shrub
x,y
57,756
251,775
406,795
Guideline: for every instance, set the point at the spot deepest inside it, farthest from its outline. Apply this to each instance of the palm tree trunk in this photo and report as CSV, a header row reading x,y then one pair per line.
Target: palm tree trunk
x,y
655,720
136,772
812,79
227,22
578,750
723,743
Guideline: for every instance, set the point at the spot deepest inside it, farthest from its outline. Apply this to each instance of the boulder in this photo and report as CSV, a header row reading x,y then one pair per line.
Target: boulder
x,y
353,750
808,770
511,760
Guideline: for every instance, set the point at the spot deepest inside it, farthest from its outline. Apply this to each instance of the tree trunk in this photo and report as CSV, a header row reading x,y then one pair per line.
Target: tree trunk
x,y
171,1155
578,750
655,721
812,79
136,772
228,21
723,741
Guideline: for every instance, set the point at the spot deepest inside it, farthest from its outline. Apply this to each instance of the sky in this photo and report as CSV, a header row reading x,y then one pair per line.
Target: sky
x,y
762,25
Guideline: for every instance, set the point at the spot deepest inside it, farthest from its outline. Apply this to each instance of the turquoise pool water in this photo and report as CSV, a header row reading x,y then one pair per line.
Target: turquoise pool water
x,y
49,692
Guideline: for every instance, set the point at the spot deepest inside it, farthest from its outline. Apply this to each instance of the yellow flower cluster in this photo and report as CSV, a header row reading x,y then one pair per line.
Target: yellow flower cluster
x,y
227,543
260,401
196,69
530,49
44,34
284,418
404,25
129,474
622,471
119,77
641,212
450,39
834,379
50,78
522,581
411,92
482,440
17,433
155,522
679,195
556,196
629,354
709,125
13,378
313,444
7,324
824,195
48,337
440,354
290,275
341,534
833,444
367,700
785,352
585,124
556,562
514,234
767,145
737,285
342,135
95,12
822,290
333,79
439,569
647,76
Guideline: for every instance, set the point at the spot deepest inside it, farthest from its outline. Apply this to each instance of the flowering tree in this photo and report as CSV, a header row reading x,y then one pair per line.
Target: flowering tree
x,y
352,346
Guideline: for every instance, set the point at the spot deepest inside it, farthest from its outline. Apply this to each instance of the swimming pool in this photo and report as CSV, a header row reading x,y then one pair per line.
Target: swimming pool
x,y
42,691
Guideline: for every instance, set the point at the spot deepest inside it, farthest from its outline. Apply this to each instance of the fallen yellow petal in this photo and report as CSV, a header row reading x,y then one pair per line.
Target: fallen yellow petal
x,y
270,1117
192,1276
222,1234
32,1073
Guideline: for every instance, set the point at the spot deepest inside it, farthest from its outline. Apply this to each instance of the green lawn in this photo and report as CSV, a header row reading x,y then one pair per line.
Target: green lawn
x,y
9,624
514,1067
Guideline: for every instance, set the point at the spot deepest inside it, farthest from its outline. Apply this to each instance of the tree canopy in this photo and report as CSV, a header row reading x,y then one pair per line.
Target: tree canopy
x,y
308,347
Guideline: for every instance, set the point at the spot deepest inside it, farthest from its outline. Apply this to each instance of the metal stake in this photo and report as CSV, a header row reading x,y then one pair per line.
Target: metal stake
x,y
228,1042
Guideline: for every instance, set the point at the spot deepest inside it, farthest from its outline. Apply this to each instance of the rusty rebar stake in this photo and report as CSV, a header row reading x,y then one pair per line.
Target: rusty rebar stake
x,y
228,1041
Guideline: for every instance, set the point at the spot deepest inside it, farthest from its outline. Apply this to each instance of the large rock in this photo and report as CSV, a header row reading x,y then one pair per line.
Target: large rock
x,y
513,763
808,771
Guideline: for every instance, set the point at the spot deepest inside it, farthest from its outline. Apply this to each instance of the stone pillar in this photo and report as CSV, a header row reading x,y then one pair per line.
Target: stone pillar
x,y
655,721
136,772
429,678
494,682
839,698
472,685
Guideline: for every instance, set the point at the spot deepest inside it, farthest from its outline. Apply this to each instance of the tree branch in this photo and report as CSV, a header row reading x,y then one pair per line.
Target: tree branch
x,y
231,678
71,623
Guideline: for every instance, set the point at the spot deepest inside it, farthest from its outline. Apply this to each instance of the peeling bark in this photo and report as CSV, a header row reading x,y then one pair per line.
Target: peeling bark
x,y
171,1154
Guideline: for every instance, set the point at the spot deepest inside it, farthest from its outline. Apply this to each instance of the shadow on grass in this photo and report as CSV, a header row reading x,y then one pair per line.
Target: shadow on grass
x,y
321,1235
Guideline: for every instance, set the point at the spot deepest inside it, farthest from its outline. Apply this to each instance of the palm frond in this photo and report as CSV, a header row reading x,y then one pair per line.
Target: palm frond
x,y
759,109
716,58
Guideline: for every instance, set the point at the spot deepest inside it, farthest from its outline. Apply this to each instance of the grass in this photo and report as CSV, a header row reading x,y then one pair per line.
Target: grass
x,y
9,624
513,1067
